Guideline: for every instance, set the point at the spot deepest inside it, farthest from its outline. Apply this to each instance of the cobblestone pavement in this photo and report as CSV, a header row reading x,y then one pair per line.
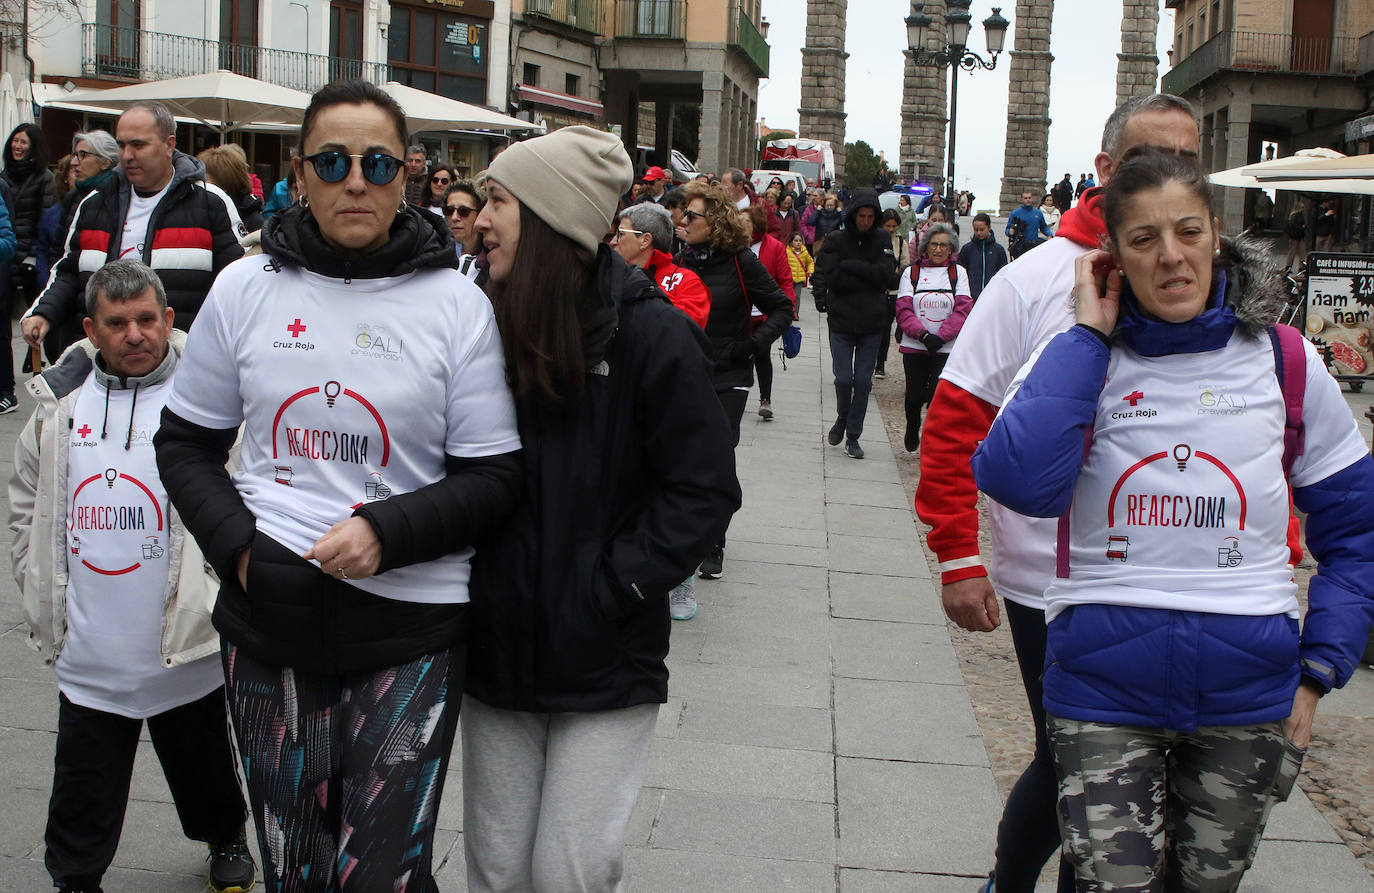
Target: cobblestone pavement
x,y
1338,774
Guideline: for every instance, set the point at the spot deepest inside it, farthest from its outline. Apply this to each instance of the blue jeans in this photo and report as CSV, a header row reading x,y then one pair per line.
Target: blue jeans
x,y
853,357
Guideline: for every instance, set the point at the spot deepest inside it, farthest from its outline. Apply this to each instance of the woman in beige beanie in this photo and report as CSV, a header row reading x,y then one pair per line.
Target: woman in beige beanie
x,y
629,477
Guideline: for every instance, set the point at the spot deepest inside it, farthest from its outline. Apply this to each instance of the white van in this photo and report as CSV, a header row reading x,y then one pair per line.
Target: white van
x,y
760,179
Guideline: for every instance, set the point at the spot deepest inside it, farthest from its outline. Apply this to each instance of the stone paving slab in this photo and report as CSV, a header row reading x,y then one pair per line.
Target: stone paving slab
x,y
915,722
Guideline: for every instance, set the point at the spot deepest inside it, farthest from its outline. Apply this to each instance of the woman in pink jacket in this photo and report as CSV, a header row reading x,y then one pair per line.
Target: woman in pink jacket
x,y
933,301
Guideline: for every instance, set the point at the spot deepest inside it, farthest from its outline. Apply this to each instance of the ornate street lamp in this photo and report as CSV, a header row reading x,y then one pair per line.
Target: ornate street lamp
x,y
955,53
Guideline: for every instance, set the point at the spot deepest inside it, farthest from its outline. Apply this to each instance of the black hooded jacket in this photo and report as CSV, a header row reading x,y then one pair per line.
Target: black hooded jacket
x,y
622,496
28,190
858,269
292,613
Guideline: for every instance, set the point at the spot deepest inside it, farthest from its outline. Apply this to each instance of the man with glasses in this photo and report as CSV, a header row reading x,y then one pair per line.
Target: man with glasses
x,y
644,237
1022,307
417,175
157,208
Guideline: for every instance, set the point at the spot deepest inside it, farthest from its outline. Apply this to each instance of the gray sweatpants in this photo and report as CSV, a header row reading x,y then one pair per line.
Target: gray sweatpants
x,y
547,796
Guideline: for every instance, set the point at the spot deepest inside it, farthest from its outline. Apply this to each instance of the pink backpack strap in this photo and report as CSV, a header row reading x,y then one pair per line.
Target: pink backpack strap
x,y
1290,365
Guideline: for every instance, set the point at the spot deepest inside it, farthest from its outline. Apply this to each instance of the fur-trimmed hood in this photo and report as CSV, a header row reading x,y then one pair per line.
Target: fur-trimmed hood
x,y
1256,282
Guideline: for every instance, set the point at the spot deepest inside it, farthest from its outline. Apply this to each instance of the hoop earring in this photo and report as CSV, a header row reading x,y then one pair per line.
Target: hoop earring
x,y
401,208
304,201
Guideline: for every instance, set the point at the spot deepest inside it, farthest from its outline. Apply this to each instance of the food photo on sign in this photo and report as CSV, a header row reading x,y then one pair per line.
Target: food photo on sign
x,y
1340,313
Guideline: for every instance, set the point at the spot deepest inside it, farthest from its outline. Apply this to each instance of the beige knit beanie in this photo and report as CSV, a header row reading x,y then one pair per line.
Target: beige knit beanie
x,y
572,179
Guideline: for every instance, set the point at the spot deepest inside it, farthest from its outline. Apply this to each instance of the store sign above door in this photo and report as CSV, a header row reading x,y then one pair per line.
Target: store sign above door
x,y
481,8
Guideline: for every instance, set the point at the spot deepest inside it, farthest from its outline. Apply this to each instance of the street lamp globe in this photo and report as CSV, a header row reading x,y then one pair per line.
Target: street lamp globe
x,y
957,21
916,24
995,26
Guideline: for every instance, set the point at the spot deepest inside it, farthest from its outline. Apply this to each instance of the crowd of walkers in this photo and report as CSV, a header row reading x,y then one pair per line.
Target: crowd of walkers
x,y
442,453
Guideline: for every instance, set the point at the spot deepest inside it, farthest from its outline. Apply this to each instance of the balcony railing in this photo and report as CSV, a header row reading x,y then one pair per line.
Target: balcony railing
x,y
109,52
745,35
1274,53
1364,55
584,15
651,19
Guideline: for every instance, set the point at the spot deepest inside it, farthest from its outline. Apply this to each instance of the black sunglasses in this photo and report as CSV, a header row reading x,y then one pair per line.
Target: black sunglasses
x,y
379,168
442,181
463,212
689,216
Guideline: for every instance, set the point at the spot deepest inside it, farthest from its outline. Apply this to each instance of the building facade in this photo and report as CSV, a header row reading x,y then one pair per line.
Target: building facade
x,y
609,62
456,48
1293,73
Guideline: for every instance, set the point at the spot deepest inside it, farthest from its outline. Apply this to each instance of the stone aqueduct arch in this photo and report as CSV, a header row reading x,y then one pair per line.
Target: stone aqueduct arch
x,y
822,114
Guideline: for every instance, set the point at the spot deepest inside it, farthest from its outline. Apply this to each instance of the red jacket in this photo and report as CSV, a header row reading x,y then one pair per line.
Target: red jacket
x,y
683,287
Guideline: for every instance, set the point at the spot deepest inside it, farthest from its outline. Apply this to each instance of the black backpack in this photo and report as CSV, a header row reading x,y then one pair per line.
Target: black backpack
x,y
1297,226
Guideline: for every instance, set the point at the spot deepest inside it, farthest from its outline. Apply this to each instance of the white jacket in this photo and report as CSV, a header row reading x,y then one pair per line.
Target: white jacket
x,y
38,520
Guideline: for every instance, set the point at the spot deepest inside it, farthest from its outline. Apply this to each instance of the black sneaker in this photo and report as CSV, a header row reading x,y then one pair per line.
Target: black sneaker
x,y
714,564
880,372
912,440
231,866
8,403
836,433
853,450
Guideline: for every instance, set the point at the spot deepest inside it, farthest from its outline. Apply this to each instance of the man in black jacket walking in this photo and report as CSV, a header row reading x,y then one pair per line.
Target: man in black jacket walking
x,y
859,267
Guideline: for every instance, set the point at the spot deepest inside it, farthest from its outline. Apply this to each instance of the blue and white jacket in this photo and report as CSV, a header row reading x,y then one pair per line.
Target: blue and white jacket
x,y
1161,453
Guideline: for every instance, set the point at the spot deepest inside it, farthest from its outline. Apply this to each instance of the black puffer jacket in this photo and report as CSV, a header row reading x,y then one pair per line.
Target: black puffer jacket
x,y
293,614
622,496
250,212
192,235
735,282
28,192
858,269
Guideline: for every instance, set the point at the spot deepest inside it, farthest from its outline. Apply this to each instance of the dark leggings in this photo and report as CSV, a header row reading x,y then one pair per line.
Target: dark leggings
x,y
1028,834
345,772
922,370
763,365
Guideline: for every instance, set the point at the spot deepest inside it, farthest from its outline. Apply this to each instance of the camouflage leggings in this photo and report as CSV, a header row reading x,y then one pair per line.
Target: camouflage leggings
x,y
1145,810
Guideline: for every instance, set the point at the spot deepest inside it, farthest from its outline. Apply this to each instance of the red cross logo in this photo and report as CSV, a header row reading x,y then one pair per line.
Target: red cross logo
x,y
1133,397
83,431
296,328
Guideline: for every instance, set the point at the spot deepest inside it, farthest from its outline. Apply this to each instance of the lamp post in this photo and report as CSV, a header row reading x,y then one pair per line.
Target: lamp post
x,y
955,53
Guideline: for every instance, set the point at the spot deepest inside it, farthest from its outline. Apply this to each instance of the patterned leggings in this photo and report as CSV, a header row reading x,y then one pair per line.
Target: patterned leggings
x,y
345,772
1146,810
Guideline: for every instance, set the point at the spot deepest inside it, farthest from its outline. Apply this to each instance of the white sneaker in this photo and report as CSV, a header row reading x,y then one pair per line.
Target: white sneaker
x,y
682,600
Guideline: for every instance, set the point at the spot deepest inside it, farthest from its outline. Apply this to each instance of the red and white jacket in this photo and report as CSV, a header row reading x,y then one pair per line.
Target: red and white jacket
x,y
683,287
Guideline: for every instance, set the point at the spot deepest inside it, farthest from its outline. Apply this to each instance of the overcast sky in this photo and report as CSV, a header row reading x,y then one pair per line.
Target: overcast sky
x,y
1085,40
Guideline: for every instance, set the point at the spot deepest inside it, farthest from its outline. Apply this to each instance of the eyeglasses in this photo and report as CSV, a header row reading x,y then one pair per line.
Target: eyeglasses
x,y
379,168
937,245
463,211
442,181
627,232
81,155
689,216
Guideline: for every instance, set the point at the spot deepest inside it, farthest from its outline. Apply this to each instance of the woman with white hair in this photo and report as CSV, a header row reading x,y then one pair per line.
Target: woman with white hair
x,y
95,155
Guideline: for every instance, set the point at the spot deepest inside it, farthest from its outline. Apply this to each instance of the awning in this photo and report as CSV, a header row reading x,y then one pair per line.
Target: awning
x,y
540,96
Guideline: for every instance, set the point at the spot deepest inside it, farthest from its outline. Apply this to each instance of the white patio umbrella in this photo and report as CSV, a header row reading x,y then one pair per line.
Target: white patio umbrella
x,y
1347,174
429,111
1247,176
9,106
220,99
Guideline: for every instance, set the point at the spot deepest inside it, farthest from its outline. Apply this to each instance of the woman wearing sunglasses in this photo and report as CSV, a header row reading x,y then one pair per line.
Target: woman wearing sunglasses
x,y
628,478
462,203
378,439
441,177
717,239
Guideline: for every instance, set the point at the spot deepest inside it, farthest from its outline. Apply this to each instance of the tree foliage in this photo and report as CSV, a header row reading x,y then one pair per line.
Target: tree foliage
x,y
861,163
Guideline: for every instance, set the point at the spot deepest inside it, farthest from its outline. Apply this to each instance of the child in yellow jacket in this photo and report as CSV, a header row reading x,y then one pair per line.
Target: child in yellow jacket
x,y
799,259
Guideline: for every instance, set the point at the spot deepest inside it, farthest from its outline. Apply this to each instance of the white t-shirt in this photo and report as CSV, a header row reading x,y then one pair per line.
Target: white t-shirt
x,y
135,232
1182,501
1022,307
931,300
349,393
118,544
